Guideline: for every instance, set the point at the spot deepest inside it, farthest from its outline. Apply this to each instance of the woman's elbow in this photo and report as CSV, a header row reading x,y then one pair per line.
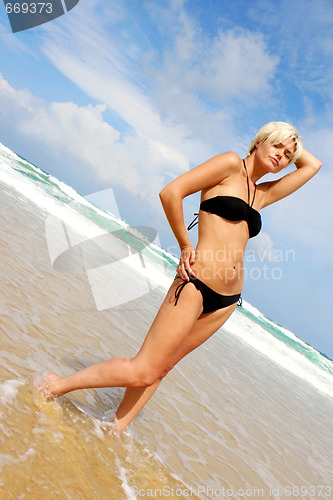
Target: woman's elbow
x,y
167,194
316,166
162,194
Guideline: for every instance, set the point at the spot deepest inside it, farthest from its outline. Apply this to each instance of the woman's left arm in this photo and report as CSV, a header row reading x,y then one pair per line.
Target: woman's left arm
x,y
307,166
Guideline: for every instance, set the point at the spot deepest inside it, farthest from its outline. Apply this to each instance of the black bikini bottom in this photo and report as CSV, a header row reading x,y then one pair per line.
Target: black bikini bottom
x,y
212,301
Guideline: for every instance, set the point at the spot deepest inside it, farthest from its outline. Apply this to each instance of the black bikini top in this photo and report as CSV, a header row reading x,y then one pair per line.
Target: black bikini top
x,y
233,209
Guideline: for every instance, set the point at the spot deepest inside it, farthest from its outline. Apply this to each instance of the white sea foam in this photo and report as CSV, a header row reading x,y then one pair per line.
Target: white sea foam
x,y
291,360
253,310
122,474
256,313
6,459
9,390
35,193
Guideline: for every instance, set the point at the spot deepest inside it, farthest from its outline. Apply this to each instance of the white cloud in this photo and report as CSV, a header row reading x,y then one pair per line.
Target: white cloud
x,y
67,125
238,65
234,64
204,81
97,77
161,93
69,130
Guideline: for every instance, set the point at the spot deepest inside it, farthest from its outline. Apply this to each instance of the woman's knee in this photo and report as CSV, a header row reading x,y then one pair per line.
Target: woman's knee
x,y
147,379
145,376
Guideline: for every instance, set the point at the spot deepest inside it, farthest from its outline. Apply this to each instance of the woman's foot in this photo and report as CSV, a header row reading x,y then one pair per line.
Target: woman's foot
x,y
47,387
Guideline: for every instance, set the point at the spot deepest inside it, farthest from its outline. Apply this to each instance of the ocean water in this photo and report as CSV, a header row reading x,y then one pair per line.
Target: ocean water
x,y
247,415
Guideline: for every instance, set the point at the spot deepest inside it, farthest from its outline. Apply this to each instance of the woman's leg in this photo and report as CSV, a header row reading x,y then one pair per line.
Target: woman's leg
x,y
204,327
133,401
169,329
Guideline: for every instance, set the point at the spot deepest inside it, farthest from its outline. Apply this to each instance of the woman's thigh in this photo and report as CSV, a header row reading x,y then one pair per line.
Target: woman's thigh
x,y
170,327
203,328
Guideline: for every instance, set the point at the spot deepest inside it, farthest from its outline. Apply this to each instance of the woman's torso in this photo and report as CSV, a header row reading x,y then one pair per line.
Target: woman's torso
x,y
221,244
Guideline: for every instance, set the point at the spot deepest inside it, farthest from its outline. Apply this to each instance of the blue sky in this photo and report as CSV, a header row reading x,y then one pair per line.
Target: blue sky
x,y
129,94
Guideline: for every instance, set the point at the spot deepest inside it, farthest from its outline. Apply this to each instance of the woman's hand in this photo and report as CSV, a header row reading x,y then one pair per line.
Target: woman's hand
x,y
187,259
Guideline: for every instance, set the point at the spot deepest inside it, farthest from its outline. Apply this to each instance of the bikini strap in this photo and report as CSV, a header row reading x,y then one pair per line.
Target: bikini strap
x,y
193,223
179,290
254,194
248,186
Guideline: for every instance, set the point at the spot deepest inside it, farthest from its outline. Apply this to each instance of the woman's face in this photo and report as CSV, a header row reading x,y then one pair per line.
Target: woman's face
x,y
275,157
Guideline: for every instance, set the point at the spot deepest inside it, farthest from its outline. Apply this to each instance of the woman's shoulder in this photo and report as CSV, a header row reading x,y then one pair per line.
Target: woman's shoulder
x,y
230,159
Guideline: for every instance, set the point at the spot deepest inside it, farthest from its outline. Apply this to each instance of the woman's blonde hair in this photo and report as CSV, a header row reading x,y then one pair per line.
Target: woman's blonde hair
x,y
275,133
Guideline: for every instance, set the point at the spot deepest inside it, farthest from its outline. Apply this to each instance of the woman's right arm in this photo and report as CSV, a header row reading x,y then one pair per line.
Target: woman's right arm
x,y
208,174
